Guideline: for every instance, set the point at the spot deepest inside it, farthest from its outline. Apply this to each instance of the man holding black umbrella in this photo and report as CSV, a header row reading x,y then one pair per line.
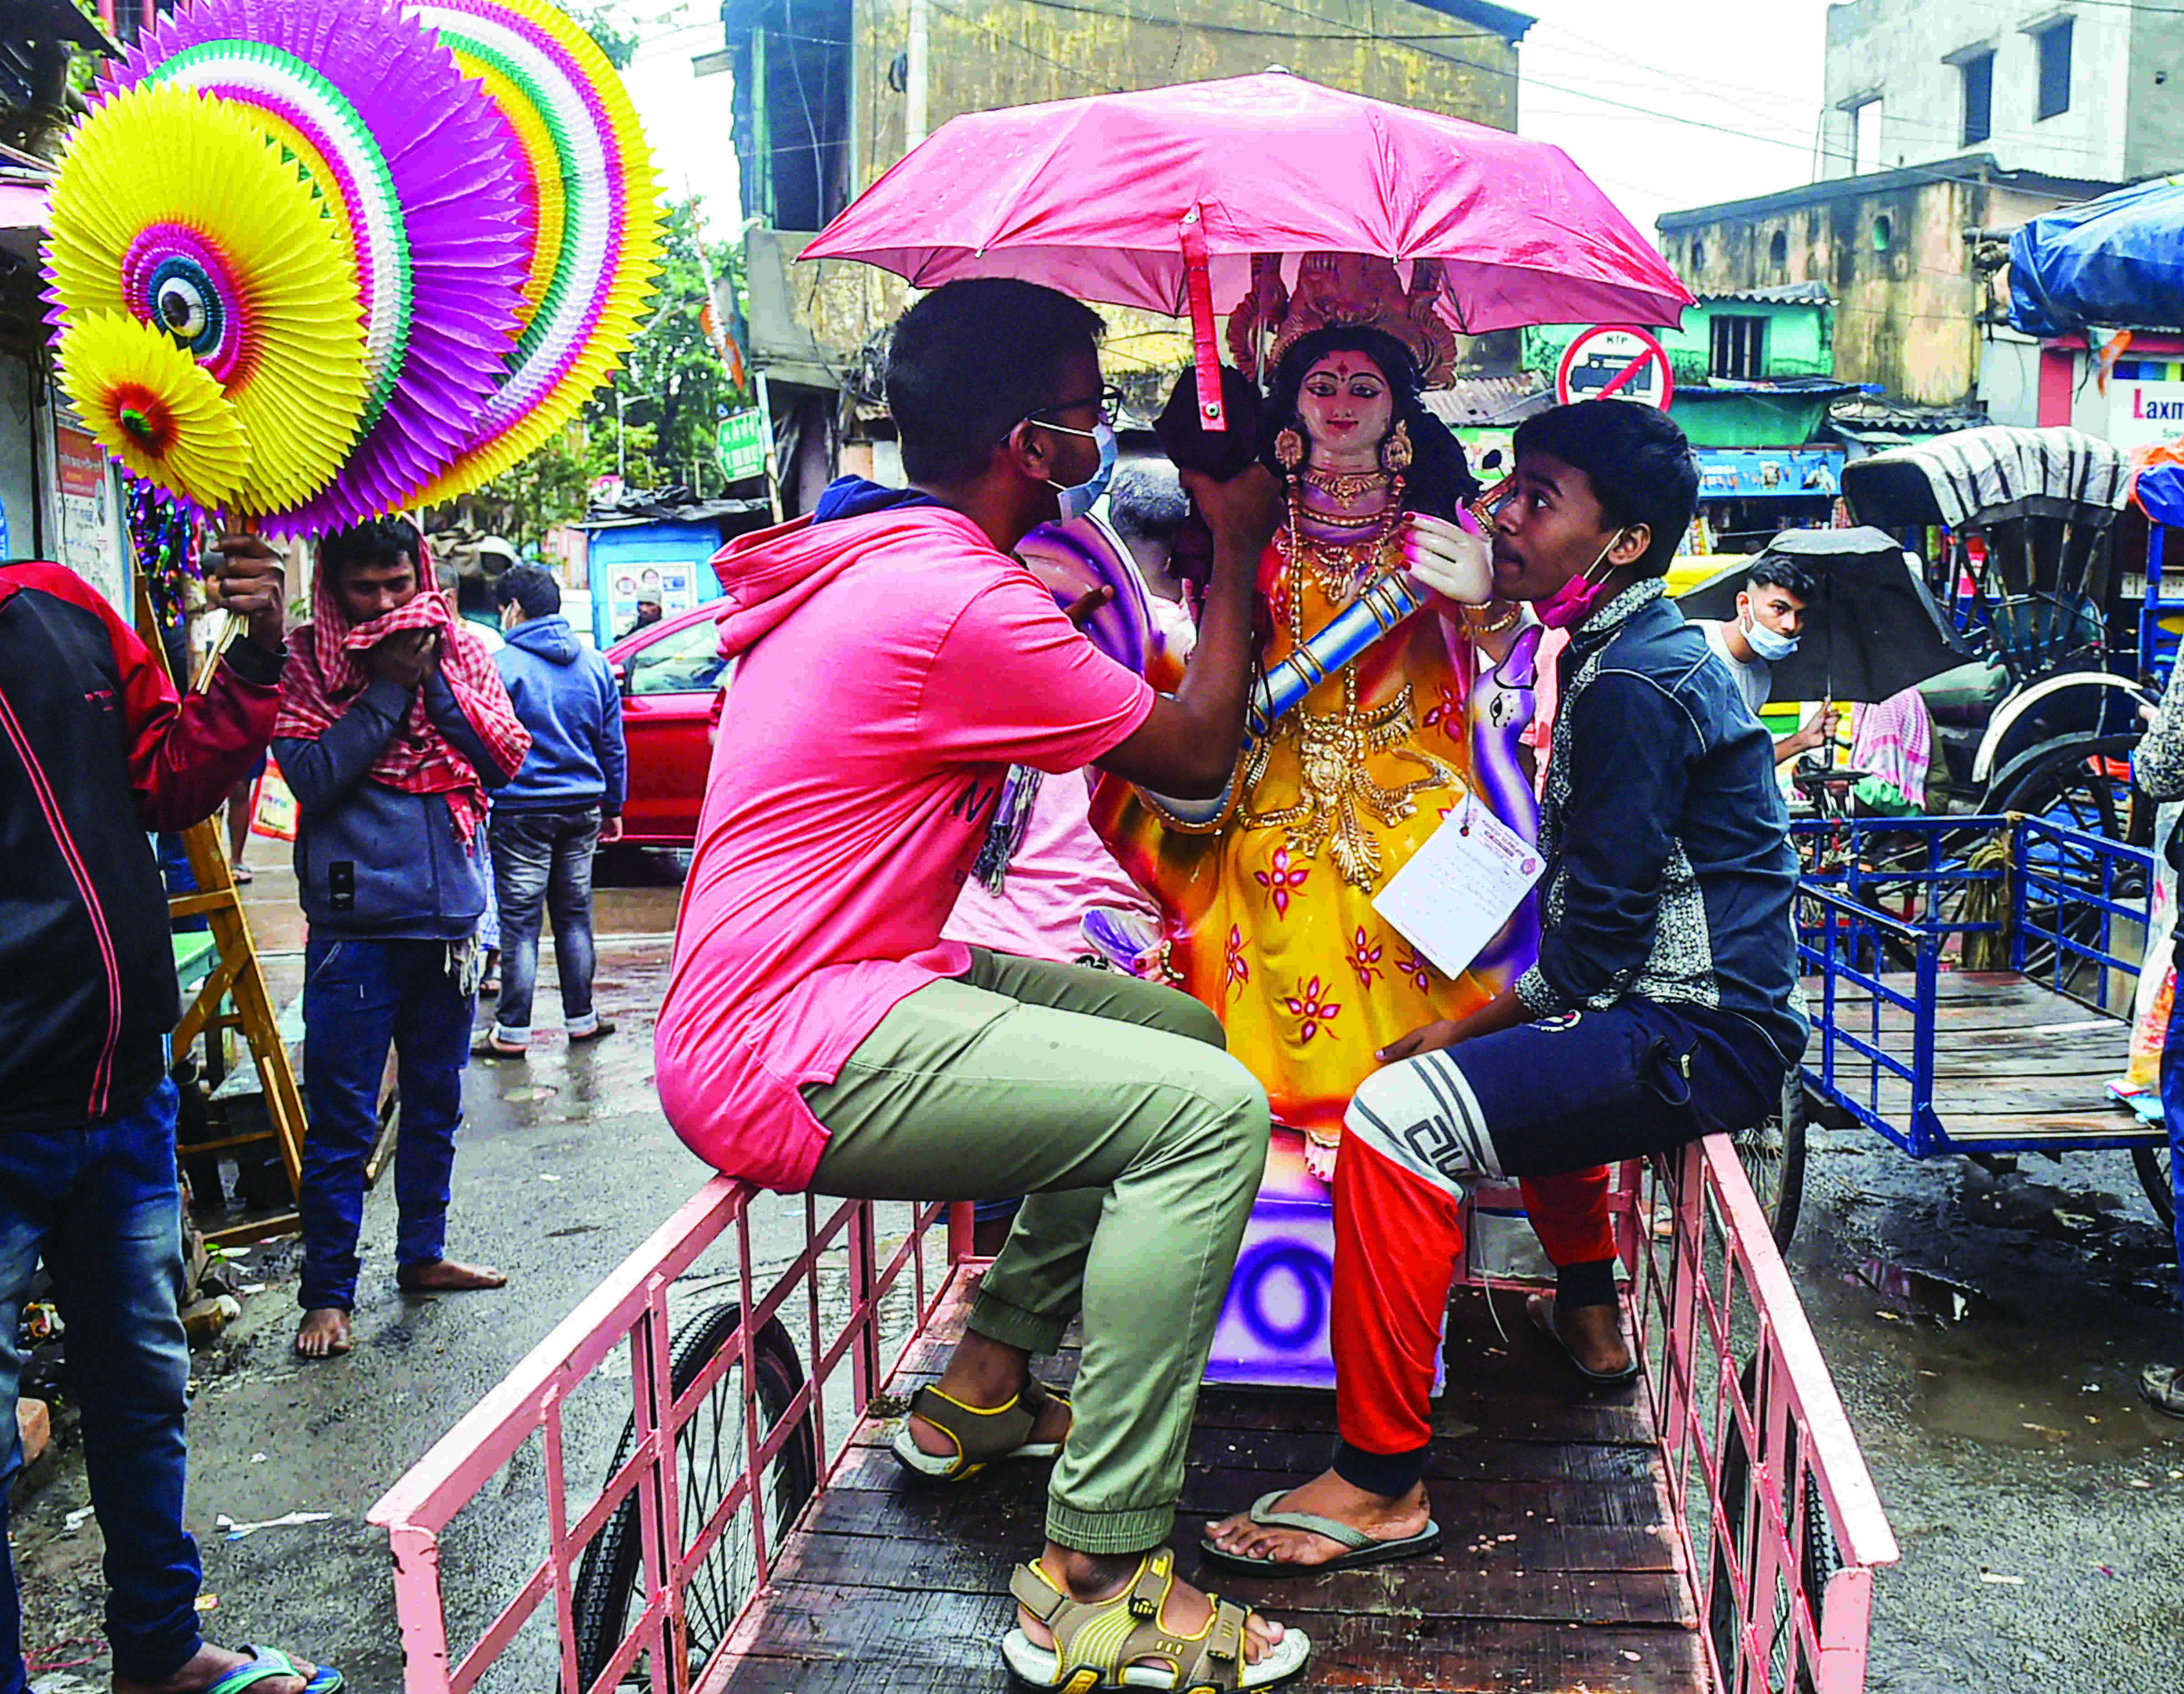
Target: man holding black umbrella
x,y
1770,613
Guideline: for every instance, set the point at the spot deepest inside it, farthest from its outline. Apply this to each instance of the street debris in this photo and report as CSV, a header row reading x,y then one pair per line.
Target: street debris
x,y
235,1531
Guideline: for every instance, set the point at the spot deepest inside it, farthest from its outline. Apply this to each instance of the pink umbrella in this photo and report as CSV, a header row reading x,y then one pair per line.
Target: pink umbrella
x,y
1159,200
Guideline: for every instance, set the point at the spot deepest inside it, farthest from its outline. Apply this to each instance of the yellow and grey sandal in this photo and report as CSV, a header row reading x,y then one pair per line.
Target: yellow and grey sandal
x,y
1108,1645
981,1434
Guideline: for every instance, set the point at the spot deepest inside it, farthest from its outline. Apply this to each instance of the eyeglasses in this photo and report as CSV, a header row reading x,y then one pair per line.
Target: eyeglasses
x,y
1109,400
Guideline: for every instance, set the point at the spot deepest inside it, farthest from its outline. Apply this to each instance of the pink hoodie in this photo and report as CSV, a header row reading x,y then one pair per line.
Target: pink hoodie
x,y
890,668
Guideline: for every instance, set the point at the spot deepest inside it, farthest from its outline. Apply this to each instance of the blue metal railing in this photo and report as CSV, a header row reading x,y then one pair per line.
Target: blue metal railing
x,y
1873,974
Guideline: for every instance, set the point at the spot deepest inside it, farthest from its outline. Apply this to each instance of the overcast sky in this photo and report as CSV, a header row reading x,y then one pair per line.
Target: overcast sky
x,y
1666,103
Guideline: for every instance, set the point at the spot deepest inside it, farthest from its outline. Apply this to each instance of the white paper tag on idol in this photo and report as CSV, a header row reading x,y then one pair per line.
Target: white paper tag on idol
x,y
1459,890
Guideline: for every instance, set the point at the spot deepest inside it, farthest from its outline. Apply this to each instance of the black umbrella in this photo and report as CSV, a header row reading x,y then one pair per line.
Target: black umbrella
x,y
1871,629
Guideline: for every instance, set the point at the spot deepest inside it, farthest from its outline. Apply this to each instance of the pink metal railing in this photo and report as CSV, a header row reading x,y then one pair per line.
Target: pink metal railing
x,y
1776,1516
631,1307
1777,1522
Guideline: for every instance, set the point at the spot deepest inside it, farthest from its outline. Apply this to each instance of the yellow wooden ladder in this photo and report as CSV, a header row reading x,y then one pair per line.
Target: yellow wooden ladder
x,y
237,978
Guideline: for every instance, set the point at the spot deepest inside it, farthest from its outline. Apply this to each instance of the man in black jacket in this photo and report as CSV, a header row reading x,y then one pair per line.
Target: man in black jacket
x,y
1664,1004
95,750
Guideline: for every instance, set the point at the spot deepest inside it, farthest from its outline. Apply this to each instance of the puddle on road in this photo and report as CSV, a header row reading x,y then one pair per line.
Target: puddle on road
x,y
1916,1293
1976,1372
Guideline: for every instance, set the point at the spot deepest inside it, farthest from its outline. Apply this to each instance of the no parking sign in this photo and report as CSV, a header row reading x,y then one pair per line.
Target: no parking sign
x,y
1615,364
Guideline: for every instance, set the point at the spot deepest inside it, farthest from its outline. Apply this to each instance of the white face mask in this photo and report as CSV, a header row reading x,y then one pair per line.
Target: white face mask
x,y
1771,645
1077,500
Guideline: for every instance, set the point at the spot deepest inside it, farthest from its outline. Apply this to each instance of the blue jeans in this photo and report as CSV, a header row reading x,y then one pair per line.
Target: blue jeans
x,y
359,998
542,867
2172,1110
99,1204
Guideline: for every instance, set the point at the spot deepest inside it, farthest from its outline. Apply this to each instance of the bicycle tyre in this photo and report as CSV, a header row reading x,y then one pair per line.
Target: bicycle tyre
x,y
607,1575
2151,1164
1773,1155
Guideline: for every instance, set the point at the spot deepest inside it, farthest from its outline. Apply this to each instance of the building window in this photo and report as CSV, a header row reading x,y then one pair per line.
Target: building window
x,y
1884,235
1812,226
1979,98
2054,48
1738,342
1698,257
1865,136
1778,251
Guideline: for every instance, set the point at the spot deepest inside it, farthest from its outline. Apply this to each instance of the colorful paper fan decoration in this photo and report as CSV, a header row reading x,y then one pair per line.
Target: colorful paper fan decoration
x,y
314,260
587,179
419,171
178,214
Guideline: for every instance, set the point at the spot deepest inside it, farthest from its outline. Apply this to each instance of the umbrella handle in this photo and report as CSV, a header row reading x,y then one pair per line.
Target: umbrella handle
x,y
1198,285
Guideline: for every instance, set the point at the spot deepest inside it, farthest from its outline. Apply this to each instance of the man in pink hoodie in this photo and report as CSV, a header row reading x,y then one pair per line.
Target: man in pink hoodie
x,y
893,661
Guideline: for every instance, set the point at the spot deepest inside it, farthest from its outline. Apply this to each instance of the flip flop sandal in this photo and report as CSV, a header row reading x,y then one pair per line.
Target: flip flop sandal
x,y
1100,1645
1538,1309
981,1434
1363,1549
270,1664
2163,1385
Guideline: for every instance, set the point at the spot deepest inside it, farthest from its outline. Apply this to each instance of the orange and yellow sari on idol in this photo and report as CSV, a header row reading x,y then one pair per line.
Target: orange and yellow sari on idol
x,y
1269,918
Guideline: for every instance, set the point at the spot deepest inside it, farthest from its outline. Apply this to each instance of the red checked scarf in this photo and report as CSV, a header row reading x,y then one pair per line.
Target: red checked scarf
x,y
324,677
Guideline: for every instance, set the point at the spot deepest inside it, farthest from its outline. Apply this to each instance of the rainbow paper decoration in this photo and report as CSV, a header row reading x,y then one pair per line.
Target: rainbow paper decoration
x,y
312,260
596,223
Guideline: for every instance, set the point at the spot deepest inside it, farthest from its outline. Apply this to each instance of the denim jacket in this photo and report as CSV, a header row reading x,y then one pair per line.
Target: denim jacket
x,y
1670,876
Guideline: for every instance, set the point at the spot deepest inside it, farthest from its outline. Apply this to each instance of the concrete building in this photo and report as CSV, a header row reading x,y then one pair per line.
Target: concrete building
x,y
2093,91
828,93
1910,311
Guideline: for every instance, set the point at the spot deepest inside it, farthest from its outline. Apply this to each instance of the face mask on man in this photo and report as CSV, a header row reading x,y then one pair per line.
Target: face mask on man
x,y
1575,601
1770,644
1077,500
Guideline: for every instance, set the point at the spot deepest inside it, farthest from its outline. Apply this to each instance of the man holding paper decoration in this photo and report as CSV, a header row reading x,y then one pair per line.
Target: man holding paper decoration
x,y
98,750
1663,1005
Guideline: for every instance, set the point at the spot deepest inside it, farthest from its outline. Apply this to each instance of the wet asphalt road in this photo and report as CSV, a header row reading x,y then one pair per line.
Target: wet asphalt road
x,y
1984,1332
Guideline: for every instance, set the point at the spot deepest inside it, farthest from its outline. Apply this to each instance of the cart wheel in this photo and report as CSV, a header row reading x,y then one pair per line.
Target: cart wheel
x,y
610,1590
1773,1154
2151,1164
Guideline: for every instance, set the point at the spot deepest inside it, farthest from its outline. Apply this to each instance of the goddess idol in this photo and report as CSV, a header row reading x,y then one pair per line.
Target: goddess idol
x,y
1267,904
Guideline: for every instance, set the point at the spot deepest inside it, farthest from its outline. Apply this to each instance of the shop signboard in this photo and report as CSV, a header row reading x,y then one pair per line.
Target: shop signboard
x,y
2144,413
90,529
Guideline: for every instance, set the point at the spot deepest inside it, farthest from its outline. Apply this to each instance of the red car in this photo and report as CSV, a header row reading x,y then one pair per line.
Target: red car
x,y
670,672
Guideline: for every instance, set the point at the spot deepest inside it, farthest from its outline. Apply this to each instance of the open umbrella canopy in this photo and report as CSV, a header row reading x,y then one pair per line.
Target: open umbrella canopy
x,y
1871,629
1099,197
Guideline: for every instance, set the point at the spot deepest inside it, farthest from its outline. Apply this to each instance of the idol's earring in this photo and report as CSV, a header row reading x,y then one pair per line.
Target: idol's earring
x,y
1289,450
1395,450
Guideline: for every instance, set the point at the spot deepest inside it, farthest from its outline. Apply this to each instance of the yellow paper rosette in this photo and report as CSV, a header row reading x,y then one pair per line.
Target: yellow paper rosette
x,y
153,407
176,212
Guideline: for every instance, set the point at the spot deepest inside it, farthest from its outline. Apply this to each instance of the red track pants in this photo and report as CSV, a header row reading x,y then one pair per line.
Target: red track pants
x,y
1397,1239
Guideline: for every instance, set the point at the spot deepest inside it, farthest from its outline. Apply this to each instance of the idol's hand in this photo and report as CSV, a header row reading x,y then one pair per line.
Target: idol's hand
x,y
1430,1039
1242,512
1452,562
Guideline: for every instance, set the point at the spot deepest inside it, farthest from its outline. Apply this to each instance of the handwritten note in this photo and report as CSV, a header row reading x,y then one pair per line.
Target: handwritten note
x,y
1460,890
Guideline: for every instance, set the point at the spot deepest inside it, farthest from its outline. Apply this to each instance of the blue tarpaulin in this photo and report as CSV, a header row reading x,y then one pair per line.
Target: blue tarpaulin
x,y
2116,262
2160,491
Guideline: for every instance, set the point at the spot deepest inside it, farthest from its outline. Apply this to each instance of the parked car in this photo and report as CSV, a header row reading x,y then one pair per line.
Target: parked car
x,y
669,672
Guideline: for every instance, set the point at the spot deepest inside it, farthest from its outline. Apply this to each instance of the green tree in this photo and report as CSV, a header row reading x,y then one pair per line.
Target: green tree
x,y
673,381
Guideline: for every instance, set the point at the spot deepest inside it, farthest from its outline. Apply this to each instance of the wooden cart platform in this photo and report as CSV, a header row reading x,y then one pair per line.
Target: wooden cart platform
x,y
2013,1062
1558,1569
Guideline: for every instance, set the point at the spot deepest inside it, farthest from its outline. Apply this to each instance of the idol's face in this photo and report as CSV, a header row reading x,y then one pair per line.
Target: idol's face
x,y
1346,408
